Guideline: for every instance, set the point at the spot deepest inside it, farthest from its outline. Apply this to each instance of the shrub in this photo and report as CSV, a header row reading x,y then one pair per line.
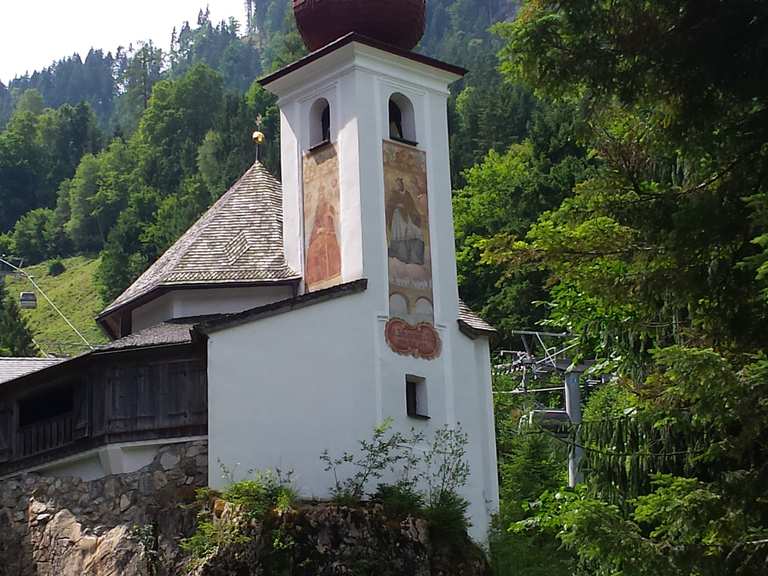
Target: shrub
x,y
267,491
56,267
447,518
256,498
400,499
446,468
442,469
384,451
209,537
146,537
446,472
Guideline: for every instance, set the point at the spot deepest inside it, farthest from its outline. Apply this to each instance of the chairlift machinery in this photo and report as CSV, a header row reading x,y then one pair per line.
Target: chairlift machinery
x,y
545,354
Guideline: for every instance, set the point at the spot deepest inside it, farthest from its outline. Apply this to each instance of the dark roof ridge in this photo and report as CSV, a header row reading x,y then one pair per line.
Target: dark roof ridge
x,y
281,306
362,39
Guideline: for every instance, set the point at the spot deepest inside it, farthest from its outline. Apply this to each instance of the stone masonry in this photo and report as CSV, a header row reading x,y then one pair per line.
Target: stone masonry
x,y
116,525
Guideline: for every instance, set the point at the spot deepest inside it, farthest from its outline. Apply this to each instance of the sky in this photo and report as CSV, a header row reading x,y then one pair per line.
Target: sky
x,y
34,33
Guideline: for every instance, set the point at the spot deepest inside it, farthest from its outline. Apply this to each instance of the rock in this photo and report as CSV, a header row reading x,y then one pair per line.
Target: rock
x,y
329,539
111,487
169,460
36,507
159,480
125,502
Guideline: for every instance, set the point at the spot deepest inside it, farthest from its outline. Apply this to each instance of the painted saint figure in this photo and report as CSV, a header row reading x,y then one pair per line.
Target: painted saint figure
x,y
406,238
323,253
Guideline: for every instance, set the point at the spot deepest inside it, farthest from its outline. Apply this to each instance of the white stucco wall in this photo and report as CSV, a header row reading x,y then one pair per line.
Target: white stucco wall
x,y
284,388
198,302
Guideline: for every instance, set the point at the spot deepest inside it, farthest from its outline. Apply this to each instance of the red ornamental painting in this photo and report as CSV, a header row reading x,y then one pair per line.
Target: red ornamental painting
x,y
420,341
408,251
322,246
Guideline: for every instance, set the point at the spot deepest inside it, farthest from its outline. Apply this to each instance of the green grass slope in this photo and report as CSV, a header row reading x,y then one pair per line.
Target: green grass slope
x,y
74,292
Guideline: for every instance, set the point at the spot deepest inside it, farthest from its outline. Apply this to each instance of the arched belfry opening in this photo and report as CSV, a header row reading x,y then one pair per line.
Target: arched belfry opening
x,y
319,123
402,124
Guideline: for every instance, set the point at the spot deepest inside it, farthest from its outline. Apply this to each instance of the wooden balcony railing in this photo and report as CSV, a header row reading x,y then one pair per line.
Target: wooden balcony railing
x,y
44,435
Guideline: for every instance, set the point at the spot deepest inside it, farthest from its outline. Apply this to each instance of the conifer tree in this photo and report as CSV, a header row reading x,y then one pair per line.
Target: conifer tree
x,y
15,338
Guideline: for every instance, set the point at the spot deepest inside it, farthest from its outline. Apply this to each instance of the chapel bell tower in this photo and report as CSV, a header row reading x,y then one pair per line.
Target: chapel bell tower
x,y
365,164
376,331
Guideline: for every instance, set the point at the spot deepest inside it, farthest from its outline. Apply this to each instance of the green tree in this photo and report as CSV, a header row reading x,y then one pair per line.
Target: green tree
x,y
137,73
64,136
656,264
124,256
30,235
6,105
15,338
179,115
20,174
83,227
501,200
30,101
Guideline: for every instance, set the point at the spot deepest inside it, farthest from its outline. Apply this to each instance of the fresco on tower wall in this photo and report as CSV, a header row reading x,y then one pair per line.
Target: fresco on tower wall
x,y
410,329
322,232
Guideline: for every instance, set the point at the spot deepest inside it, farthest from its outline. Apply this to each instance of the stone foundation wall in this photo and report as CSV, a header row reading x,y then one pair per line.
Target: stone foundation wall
x,y
65,526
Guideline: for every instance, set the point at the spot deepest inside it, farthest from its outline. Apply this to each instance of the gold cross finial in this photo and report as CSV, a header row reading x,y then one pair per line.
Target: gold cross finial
x,y
258,135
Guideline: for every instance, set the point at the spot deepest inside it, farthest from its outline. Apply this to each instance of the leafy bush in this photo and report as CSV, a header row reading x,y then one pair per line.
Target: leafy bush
x,y
445,467
6,244
267,491
442,470
400,499
56,267
526,554
146,537
209,537
256,498
446,514
384,451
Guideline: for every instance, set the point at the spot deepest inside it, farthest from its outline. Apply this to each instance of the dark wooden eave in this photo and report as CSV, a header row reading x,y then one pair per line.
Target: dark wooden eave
x,y
280,307
105,318
471,324
356,37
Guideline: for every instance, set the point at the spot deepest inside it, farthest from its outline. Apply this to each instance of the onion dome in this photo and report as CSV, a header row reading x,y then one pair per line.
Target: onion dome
x,y
399,23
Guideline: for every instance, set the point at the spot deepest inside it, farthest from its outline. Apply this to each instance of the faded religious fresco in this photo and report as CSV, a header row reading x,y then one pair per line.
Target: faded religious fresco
x,y
408,242
322,232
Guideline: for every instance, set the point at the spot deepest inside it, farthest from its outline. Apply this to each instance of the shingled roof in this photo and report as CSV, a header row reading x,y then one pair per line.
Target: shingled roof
x,y
471,324
168,333
12,368
238,241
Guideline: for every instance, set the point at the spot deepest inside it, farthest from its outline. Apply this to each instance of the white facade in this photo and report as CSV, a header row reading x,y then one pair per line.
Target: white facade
x,y
286,387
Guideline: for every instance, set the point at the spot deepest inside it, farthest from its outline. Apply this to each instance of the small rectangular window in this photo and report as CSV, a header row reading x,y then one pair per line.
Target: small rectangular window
x,y
416,396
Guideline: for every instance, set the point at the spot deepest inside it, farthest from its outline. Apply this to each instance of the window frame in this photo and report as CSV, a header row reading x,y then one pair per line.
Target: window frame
x,y
404,106
416,398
